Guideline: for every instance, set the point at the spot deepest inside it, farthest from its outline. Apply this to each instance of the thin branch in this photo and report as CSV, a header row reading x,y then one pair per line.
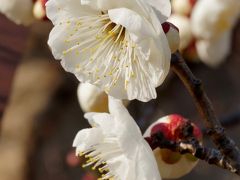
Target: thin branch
x,y
188,144
192,146
228,121
224,143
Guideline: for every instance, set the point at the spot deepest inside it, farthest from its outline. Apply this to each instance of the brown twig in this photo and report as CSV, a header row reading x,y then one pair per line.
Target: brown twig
x,y
224,143
228,121
192,146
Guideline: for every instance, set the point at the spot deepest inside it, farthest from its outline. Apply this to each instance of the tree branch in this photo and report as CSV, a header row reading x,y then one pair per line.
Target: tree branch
x,y
228,121
188,144
194,86
192,146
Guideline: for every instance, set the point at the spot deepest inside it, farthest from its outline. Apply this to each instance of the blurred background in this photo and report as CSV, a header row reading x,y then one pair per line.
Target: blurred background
x,y
42,114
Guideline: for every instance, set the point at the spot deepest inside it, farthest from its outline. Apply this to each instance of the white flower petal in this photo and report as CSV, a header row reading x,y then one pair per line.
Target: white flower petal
x,y
211,18
162,8
122,166
106,4
145,152
214,52
132,21
58,10
93,136
101,120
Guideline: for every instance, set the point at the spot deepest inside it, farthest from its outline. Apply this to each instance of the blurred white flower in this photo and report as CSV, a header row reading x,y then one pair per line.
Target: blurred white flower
x,y
182,7
91,98
39,9
213,52
212,23
118,46
115,146
19,11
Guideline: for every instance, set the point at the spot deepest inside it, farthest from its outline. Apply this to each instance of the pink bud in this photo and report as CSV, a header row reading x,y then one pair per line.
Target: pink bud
x,y
172,34
184,26
172,164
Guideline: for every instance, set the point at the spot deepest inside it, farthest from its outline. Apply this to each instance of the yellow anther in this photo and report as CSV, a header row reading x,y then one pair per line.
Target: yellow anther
x,y
78,66
64,53
81,153
79,23
132,75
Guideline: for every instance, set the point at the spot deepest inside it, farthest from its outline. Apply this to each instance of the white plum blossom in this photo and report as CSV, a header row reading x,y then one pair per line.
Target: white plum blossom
x,y
19,11
117,45
115,146
212,24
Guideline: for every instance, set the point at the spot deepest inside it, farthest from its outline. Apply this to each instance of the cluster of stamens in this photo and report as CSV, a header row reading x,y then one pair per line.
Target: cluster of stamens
x,y
96,163
96,38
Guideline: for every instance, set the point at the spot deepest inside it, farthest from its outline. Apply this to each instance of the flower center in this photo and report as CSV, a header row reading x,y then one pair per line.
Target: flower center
x,y
102,50
94,160
98,155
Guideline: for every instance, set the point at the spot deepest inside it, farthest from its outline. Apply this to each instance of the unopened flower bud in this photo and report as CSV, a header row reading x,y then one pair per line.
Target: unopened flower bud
x,y
184,26
172,34
92,99
183,7
39,10
171,164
